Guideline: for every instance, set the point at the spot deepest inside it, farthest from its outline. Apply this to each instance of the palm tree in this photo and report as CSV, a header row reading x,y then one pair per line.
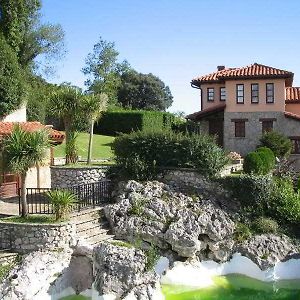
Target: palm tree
x,y
23,150
66,103
95,105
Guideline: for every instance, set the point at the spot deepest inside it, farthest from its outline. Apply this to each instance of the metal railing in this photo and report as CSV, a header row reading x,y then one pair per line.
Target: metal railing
x,y
88,195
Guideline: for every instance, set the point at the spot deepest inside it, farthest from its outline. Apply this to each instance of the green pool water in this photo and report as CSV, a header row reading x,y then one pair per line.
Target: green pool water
x,y
237,287
75,297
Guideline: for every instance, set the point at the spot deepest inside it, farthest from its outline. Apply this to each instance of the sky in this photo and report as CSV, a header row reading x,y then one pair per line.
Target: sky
x,y
179,40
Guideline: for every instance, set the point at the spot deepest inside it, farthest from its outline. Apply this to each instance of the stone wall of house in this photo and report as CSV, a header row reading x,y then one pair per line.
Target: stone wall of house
x,y
243,145
23,238
62,177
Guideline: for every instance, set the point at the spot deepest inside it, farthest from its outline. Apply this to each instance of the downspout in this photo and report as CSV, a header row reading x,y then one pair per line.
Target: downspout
x,y
198,88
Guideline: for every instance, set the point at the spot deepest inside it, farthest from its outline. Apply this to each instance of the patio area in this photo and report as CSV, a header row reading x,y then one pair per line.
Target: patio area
x,y
9,207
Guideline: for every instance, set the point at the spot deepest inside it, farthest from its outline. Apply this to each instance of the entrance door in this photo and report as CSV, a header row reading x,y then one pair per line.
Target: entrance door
x,y
216,127
9,186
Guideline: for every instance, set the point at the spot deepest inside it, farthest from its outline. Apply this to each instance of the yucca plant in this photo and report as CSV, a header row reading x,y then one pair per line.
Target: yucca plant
x,y
62,201
23,150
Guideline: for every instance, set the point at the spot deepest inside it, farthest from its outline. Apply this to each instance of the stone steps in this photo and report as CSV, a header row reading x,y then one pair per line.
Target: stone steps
x,y
91,226
7,257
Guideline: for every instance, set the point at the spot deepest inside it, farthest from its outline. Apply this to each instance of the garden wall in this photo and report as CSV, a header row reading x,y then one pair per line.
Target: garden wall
x,y
63,177
24,238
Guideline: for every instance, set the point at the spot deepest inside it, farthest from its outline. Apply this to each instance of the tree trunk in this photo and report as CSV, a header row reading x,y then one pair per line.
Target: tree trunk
x,y
89,159
23,195
71,151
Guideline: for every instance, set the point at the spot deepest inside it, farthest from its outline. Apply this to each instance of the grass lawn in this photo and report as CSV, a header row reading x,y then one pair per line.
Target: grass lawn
x,y
34,219
101,146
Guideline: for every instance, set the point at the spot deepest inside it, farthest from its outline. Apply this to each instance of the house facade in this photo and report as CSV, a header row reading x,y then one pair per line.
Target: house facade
x,y
239,104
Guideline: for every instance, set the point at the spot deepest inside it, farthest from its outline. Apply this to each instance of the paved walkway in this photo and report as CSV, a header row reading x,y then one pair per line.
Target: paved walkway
x,y
9,207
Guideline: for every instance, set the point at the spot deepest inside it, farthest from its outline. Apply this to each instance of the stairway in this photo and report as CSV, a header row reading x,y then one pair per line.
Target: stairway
x,y
7,257
92,226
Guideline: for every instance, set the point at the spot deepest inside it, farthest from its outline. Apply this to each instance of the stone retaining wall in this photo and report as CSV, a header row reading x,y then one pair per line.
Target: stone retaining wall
x,y
24,238
62,177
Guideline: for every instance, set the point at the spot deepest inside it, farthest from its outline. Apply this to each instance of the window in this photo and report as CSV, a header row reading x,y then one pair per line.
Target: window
x,y
240,93
254,93
210,94
222,94
240,128
270,92
296,144
267,125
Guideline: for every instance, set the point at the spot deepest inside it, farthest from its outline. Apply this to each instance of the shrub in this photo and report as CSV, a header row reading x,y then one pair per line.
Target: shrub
x,y
285,205
62,202
268,158
260,162
115,122
277,142
153,150
242,232
252,191
264,225
253,163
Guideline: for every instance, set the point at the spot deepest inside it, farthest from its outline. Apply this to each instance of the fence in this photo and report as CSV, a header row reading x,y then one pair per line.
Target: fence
x,y
88,196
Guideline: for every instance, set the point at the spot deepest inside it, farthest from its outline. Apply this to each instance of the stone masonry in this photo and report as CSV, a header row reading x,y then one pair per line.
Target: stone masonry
x,y
253,128
63,177
23,238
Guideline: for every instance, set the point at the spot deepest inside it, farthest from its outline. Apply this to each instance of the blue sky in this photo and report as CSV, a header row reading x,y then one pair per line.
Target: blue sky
x,y
179,39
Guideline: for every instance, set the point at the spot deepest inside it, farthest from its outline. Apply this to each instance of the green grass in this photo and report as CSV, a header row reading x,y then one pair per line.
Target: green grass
x,y
101,146
4,270
34,219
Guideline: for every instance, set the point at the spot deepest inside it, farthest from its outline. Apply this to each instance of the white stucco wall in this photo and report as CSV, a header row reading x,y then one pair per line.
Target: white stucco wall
x,y
18,115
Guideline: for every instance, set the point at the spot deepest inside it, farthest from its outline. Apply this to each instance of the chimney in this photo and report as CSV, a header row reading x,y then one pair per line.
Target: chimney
x,y
220,68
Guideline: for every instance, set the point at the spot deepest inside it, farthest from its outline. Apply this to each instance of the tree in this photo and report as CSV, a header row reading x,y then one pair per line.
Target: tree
x,y
104,70
144,91
66,103
23,150
95,106
22,29
12,83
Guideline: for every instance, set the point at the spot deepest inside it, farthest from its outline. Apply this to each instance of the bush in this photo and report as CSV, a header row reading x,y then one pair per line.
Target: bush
x,y
285,204
242,232
253,163
260,162
150,151
277,142
115,122
268,158
62,202
264,225
252,191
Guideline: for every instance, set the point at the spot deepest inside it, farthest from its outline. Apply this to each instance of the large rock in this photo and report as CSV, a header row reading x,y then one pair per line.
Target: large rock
x,y
267,249
158,214
31,279
121,271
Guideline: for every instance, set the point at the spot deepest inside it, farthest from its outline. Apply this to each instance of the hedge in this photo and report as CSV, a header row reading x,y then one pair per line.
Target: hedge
x,y
115,122
141,153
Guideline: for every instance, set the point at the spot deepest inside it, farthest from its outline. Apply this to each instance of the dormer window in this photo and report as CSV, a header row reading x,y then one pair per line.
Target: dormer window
x,y
222,94
254,93
210,94
240,94
270,92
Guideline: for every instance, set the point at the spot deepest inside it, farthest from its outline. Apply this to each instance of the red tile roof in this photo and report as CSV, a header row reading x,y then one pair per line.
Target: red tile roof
x,y
7,127
292,115
253,71
206,112
292,95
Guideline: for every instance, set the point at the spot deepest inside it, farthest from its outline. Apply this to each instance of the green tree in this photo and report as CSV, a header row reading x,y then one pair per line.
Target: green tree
x,y
144,91
12,83
104,70
66,103
95,105
21,26
23,150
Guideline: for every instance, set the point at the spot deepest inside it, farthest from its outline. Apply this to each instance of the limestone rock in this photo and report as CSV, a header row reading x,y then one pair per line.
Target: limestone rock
x,y
158,214
119,270
267,249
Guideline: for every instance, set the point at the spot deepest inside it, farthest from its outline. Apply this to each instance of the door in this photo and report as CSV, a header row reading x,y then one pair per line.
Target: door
x,y
9,185
216,128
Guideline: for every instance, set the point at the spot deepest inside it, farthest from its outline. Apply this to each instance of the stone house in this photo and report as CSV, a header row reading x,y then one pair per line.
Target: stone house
x,y
37,177
239,104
